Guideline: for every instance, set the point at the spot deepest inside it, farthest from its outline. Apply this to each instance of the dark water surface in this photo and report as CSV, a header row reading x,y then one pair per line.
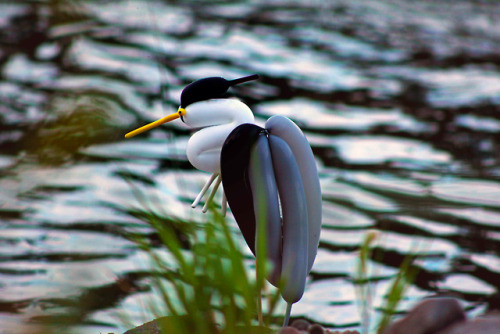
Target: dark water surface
x,y
400,101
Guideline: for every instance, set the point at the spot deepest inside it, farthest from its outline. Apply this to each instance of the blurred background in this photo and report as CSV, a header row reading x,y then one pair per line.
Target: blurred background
x,y
399,100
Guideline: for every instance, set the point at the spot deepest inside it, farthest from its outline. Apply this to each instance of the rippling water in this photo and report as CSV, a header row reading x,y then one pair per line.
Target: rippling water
x,y
400,101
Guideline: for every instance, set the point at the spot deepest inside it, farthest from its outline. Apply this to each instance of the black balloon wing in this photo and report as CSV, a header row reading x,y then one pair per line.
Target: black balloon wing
x,y
235,157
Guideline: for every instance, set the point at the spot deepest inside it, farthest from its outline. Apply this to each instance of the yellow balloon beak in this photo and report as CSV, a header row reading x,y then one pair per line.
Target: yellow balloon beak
x,y
171,117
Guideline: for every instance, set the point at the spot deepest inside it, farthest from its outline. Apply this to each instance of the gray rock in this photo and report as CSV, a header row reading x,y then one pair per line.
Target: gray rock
x,y
301,324
151,327
488,325
429,317
289,330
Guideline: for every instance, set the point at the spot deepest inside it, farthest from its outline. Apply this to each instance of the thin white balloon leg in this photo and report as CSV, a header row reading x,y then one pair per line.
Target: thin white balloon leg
x,y
224,204
212,194
287,314
204,190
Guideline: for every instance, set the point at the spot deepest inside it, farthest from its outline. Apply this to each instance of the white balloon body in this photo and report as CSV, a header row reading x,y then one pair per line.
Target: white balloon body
x,y
288,168
217,117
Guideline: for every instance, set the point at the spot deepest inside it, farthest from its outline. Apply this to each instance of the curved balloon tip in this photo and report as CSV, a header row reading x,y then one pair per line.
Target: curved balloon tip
x,y
244,79
136,132
130,134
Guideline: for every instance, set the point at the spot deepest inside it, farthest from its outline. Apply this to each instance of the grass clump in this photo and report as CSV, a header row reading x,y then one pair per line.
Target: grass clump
x,y
395,293
404,278
207,288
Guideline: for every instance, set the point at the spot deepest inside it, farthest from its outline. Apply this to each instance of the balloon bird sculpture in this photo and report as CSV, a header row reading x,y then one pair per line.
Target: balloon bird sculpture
x,y
267,174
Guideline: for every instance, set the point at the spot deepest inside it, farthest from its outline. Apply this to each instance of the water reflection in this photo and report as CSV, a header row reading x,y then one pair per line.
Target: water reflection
x,y
399,101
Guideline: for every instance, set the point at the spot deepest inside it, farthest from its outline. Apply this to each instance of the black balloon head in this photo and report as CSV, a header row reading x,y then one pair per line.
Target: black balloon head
x,y
210,88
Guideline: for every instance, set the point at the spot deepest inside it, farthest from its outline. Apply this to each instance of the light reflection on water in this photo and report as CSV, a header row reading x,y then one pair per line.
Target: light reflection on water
x,y
400,106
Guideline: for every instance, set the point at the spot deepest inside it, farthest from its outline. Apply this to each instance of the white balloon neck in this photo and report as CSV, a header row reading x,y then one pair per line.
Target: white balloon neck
x,y
217,117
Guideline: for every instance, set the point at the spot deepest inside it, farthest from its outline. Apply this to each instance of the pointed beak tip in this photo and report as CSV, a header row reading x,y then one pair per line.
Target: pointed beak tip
x,y
156,123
